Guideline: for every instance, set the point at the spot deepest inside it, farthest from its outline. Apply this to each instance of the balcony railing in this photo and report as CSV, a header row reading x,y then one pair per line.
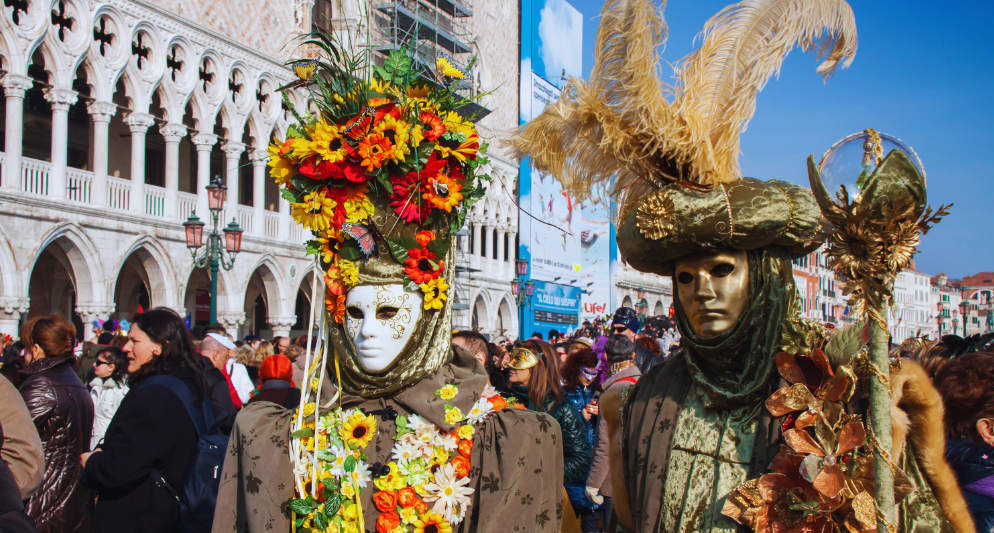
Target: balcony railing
x,y
35,178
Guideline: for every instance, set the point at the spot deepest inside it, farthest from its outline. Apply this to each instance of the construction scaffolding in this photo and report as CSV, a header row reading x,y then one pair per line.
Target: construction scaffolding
x,y
426,27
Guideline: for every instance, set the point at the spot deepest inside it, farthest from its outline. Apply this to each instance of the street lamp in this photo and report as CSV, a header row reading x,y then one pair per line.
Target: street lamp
x,y
523,298
642,306
214,254
964,307
640,292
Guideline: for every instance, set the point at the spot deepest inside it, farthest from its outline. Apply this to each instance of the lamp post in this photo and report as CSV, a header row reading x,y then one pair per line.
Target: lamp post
x,y
523,298
215,252
964,308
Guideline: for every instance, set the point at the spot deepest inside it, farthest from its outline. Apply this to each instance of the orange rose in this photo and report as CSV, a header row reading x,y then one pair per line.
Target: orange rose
x,y
461,464
406,497
420,506
424,237
387,522
320,492
466,447
497,401
385,500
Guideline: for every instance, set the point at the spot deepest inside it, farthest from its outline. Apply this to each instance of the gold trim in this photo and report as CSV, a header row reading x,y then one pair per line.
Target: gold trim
x,y
728,206
654,217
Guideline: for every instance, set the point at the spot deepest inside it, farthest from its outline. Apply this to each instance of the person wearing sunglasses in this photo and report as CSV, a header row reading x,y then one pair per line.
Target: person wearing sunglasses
x,y
626,322
107,389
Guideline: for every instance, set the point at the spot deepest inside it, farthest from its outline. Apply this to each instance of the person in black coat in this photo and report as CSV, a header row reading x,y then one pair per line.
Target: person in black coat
x,y
12,516
626,322
151,437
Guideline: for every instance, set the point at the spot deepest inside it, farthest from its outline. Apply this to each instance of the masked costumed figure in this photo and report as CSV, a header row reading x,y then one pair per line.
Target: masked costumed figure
x,y
414,439
751,392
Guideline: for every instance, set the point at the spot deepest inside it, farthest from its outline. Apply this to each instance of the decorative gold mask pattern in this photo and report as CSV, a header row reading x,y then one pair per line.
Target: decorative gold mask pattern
x,y
522,359
655,216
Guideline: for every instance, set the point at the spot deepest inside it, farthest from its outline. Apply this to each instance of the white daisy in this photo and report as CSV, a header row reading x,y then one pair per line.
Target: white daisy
x,y
362,474
415,423
427,435
450,493
448,441
337,464
415,470
405,450
479,411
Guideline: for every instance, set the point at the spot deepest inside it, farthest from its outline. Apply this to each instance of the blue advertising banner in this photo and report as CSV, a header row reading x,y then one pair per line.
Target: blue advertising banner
x,y
554,307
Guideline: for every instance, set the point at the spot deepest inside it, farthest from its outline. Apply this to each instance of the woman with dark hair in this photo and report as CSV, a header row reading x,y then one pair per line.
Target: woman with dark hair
x,y
63,414
276,383
966,384
535,378
107,388
13,363
579,375
151,437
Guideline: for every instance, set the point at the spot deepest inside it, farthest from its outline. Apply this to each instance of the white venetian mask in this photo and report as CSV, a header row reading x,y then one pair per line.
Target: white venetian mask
x,y
380,319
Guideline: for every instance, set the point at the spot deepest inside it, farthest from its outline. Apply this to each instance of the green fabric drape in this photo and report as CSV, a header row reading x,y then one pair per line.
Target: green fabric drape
x,y
733,368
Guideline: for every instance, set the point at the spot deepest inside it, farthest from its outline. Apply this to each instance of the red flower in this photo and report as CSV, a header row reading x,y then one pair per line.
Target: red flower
x,y
406,198
461,465
424,237
385,500
419,266
420,506
497,401
466,448
433,125
387,522
406,497
317,169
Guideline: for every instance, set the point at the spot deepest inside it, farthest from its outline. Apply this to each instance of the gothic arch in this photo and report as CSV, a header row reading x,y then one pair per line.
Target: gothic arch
x,y
83,256
161,276
275,293
11,281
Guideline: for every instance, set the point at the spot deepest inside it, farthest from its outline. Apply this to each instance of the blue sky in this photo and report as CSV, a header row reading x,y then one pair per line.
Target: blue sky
x,y
924,72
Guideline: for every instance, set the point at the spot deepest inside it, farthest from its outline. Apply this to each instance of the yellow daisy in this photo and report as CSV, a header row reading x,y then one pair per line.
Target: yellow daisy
x,y
315,213
282,167
358,430
327,142
380,86
398,133
430,522
350,272
434,292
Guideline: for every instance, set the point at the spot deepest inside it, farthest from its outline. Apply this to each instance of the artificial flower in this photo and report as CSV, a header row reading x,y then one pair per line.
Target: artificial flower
x,y
466,448
497,401
421,266
461,466
308,409
438,457
350,272
480,409
408,514
415,470
465,432
418,91
362,475
443,192
385,500
430,522
316,168
417,424
314,212
406,497
405,450
434,292
448,442
337,465
433,125
459,150
405,199
424,237
358,430
387,522
327,142
347,490
448,491
452,414
333,280
374,150
447,392
393,480
282,167
398,133
380,86
335,304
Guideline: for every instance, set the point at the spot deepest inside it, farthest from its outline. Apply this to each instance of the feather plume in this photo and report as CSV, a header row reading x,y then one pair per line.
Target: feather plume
x,y
743,46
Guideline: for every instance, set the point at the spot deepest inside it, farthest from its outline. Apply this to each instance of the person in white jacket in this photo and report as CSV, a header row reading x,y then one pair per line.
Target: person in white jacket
x,y
236,371
107,389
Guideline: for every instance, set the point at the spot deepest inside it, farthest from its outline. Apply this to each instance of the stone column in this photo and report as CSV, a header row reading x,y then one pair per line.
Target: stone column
x,y
89,313
232,322
476,237
281,324
100,114
232,153
60,99
14,87
285,220
489,252
501,265
139,123
11,309
259,160
172,132
205,143
512,252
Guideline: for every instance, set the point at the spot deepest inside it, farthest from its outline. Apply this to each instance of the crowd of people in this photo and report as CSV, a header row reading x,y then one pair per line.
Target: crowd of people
x,y
92,434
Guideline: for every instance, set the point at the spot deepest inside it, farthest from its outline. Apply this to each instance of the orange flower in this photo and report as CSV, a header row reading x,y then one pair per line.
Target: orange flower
x,y
375,149
419,266
420,506
406,497
443,192
433,125
461,464
424,237
377,102
387,522
335,304
466,448
385,500
497,401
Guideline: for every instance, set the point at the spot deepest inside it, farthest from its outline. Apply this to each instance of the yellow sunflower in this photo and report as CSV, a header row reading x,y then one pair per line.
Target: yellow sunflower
x,y
350,272
302,148
430,522
443,192
327,142
398,132
464,150
315,212
282,167
435,293
455,123
418,91
358,430
380,86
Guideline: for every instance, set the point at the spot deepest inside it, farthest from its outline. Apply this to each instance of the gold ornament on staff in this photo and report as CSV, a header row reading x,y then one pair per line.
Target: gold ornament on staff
x,y
875,234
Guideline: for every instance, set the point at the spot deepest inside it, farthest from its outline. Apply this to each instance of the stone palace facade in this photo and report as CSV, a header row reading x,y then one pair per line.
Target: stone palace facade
x,y
117,114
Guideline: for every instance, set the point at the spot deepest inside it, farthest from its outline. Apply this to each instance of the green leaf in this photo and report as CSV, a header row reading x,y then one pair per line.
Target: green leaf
x,y
330,484
846,342
313,247
288,195
300,507
300,521
349,465
350,251
384,180
331,506
439,247
410,242
319,522
398,251
303,433
410,286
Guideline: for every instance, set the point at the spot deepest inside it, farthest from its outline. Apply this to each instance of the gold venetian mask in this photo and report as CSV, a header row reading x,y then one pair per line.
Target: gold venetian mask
x,y
713,288
522,359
